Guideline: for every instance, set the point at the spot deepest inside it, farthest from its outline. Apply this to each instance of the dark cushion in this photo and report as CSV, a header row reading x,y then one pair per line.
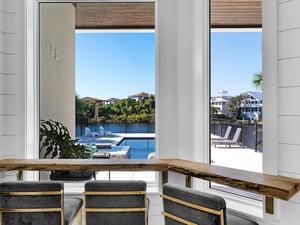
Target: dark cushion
x,y
99,185
72,205
30,201
115,201
202,199
12,186
194,196
188,213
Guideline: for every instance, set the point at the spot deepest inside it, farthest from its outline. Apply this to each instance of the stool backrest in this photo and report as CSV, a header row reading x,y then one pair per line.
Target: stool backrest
x,y
34,203
186,206
115,202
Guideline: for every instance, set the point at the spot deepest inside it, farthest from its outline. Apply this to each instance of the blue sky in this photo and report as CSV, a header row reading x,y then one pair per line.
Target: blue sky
x,y
121,64
235,57
114,64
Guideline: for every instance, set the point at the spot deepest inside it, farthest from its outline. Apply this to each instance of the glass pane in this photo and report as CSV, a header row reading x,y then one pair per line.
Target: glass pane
x,y
236,102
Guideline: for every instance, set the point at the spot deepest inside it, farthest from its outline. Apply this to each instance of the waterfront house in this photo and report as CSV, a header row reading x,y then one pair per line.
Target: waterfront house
x,y
140,96
251,107
111,101
182,86
220,101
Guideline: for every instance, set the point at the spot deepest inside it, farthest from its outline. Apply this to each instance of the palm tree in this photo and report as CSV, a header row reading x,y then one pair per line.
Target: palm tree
x,y
234,105
257,80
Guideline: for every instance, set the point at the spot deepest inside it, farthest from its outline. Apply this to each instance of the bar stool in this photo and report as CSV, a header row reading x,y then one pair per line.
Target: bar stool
x,y
191,207
36,203
115,202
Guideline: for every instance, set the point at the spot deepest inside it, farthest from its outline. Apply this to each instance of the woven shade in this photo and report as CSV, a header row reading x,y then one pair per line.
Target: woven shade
x,y
109,15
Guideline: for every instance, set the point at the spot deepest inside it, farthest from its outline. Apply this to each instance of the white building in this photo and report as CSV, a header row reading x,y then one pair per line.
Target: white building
x,y
182,91
251,107
140,96
220,102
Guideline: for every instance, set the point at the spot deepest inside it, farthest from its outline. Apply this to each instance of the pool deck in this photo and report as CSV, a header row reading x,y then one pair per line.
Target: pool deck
x,y
136,135
235,157
110,140
113,138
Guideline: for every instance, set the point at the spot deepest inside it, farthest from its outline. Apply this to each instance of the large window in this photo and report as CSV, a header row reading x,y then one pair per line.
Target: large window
x,y
236,102
97,81
115,81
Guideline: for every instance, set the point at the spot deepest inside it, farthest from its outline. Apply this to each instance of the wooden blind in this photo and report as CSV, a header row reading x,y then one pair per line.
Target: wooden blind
x,y
133,15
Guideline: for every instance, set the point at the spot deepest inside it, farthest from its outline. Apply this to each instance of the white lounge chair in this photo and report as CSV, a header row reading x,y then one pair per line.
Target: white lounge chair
x,y
103,132
88,133
226,135
228,143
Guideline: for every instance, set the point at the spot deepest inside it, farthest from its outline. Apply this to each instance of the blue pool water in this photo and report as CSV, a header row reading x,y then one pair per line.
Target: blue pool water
x,y
140,148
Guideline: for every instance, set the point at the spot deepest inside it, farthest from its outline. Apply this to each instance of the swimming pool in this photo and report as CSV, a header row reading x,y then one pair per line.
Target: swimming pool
x,y
140,148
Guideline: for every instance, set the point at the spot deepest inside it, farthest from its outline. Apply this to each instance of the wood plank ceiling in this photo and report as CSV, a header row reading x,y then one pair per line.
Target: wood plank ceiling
x,y
134,15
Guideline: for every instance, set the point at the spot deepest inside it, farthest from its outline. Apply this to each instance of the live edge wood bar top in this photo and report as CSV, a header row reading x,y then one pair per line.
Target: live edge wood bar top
x,y
269,185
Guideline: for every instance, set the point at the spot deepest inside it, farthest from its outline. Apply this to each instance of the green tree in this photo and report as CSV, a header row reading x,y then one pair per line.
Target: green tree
x,y
79,107
125,110
234,105
257,80
214,110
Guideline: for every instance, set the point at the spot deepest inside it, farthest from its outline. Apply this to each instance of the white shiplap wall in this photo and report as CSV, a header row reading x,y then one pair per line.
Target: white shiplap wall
x,y
12,76
288,103
289,87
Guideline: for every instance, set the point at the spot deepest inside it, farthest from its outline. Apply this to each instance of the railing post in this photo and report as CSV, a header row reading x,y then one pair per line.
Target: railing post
x,y
269,208
164,176
188,181
20,175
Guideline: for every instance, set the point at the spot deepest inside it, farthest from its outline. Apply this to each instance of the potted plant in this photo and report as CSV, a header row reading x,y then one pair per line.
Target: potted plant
x,y
56,142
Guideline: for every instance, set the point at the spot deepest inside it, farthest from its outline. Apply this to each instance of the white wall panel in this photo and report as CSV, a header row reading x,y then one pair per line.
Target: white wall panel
x,y
7,145
289,213
290,68
290,17
57,75
12,86
8,5
283,1
8,104
7,23
288,109
288,99
7,43
5,125
289,130
8,64
288,44
289,158
180,78
7,84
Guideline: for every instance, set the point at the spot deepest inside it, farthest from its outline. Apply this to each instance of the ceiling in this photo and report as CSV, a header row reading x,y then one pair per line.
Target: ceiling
x,y
141,15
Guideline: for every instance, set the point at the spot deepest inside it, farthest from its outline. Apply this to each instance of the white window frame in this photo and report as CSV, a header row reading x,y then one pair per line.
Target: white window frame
x,y
201,96
32,89
243,204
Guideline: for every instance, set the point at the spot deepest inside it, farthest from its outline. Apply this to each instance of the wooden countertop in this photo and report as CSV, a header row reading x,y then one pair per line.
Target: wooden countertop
x,y
264,184
84,164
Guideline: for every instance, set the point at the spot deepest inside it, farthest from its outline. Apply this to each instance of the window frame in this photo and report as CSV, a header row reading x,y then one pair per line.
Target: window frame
x,y
235,202
201,100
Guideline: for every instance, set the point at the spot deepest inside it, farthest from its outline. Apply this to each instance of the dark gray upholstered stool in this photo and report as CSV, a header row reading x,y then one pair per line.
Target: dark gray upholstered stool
x,y
187,206
36,203
115,202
